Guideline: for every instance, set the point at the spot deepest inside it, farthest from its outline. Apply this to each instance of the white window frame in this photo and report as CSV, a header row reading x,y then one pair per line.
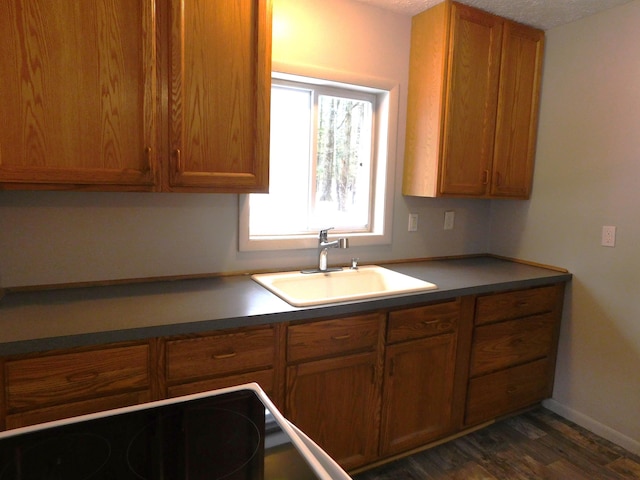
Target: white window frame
x,y
380,233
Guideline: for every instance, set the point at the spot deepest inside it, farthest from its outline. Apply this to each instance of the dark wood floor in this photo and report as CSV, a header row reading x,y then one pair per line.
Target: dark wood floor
x,y
534,445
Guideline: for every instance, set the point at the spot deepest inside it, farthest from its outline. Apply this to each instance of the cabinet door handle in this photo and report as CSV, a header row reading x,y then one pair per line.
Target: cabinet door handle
x,y
148,152
222,356
341,337
498,179
485,177
178,154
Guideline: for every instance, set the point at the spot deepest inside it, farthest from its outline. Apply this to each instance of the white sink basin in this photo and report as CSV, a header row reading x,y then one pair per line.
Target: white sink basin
x,y
369,281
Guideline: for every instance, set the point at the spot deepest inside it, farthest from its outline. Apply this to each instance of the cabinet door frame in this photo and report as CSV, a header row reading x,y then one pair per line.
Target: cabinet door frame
x,y
470,110
396,436
85,173
366,403
518,105
224,172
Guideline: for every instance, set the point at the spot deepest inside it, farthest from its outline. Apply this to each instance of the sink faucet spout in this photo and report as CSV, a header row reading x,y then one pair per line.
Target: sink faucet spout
x,y
324,245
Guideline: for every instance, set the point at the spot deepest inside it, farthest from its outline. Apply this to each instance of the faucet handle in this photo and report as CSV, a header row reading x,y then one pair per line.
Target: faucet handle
x,y
323,234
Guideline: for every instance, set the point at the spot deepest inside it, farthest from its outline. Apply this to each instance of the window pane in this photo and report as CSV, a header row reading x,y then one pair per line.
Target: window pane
x,y
343,163
285,208
320,162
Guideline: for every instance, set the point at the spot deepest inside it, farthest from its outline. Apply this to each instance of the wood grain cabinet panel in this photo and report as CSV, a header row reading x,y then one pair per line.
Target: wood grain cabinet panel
x,y
513,351
78,94
332,337
222,359
220,95
418,392
56,385
507,390
474,87
336,401
419,322
504,344
517,116
333,384
521,303
153,95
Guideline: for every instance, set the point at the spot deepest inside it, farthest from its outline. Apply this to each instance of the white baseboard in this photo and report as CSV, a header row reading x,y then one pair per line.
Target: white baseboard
x,y
593,426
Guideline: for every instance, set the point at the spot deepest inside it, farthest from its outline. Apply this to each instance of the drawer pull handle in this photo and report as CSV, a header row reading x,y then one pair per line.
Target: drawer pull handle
x,y
82,377
522,303
222,356
430,322
512,390
342,337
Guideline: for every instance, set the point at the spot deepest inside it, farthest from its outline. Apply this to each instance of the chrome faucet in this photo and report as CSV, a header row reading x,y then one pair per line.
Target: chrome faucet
x,y
323,246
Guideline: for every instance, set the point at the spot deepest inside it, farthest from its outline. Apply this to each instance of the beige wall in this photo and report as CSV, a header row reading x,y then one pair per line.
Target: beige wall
x,y
57,237
588,175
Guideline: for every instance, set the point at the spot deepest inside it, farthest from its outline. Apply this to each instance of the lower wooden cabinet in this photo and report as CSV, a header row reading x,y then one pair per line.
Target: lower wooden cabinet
x,y
419,374
333,385
364,387
40,388
418,393
197,363
336,402
513,353
504,391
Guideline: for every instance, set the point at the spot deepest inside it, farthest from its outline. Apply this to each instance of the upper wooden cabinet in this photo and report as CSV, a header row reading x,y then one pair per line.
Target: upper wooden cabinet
x,y
220,85
156,95
77,94
474,88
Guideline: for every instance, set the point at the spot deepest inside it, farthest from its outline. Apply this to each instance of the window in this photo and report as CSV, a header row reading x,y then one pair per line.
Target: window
x,y
328,166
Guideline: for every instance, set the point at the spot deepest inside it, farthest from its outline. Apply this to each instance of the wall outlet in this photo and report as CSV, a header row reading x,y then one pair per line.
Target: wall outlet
x,y
608,236
449,219
413,222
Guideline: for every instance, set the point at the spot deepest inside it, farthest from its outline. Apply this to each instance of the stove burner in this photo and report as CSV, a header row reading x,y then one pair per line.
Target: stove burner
x,y
179,443
230,436
70,455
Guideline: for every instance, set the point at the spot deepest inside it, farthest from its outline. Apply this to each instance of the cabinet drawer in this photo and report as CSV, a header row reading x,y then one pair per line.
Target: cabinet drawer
x,y
57,379
330,337
502,392
422,322
218,354
72,409
520,303
264,378
505,344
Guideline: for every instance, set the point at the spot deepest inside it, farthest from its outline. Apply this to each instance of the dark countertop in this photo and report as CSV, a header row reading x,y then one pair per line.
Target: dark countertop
x,y
45,320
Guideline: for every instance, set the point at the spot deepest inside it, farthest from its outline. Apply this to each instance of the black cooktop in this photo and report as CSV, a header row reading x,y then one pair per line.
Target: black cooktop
x,y
231,436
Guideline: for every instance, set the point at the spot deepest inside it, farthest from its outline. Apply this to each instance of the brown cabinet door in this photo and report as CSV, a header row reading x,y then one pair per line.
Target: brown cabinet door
x,y
336,402
472,96
517,120
220,85
77,89
417,393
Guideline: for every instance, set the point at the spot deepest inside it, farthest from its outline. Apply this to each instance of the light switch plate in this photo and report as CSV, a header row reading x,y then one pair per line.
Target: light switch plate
x,y
608,236
413,222
449,219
